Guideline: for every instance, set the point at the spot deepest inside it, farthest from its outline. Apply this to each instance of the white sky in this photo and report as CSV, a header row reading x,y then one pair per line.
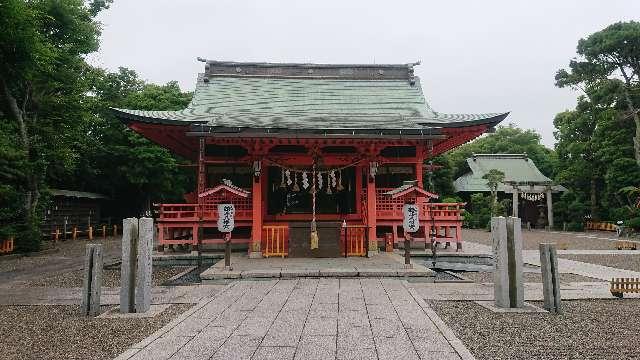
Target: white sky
x,y
477,56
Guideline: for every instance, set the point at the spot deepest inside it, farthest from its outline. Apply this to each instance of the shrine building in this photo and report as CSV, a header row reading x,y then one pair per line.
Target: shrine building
x,y
307,147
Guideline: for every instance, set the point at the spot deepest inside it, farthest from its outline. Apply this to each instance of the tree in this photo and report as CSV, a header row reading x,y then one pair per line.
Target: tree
x,y
506,140
118,162
494,178
42,49
611,56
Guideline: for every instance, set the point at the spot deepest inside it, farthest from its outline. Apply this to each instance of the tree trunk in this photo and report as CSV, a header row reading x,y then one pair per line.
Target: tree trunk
x,y
594,199
634,113
32,193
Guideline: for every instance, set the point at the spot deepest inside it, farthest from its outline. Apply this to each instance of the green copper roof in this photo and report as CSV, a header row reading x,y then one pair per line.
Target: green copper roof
x,y
309,96
517,168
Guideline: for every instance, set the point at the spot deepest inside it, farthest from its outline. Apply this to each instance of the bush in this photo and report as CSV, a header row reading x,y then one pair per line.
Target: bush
x,y
575,226
634,223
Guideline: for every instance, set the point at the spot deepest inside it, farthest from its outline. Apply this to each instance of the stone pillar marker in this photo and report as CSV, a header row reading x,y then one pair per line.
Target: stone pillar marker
x,y
550,280
507,269
144,271
92,286
515,203
128,266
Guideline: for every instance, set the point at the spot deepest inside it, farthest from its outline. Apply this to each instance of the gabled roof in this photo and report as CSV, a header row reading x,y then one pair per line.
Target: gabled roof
x,y
231,189
518,169
410,188
268,96
77,194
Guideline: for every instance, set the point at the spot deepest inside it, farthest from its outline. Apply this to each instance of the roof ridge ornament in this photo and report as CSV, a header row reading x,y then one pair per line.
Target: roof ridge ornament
x,y
412,79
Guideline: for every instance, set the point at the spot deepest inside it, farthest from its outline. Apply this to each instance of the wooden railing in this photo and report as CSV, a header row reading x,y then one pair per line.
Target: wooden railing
x,y
619,286
6,246
600,225
355,240
275,240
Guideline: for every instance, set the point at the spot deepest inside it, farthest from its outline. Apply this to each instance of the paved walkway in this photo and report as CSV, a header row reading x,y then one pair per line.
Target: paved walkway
x,y
567,266
306,319
581,268
110,296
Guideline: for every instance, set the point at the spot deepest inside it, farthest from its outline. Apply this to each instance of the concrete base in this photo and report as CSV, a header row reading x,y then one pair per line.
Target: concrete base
x,y
338,273
154,309
527,308
408,266
372,253
255,255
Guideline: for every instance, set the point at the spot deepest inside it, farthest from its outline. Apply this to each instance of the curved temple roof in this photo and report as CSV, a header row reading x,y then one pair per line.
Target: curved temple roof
x,y
265,96
518,170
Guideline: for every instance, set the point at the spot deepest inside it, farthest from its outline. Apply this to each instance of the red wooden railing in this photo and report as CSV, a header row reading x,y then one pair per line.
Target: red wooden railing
x,y
275,240
355,240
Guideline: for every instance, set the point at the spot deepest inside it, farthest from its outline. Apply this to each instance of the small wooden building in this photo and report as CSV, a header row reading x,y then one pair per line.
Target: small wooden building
x,y
72,209
531,192
313,144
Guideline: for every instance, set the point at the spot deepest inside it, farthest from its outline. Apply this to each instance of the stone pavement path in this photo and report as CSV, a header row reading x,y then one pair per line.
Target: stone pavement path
x,y
306,318
601,272
110,296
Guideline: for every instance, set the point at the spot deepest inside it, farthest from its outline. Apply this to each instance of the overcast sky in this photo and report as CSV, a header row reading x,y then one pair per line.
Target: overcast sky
x,y
477,56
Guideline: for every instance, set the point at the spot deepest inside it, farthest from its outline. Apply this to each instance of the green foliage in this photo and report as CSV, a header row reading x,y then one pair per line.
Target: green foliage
x,y
607,70
479,214
494,178
42,87
634,223
506,140
120,163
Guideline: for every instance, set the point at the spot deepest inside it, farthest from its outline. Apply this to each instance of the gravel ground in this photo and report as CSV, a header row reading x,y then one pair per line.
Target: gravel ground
x,y
65,250
487,277
532,239
622,261
588,329
111,277
59,332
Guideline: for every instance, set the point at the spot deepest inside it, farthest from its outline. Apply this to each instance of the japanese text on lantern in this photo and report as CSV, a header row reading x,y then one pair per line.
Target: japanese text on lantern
x,y
411,222
226,213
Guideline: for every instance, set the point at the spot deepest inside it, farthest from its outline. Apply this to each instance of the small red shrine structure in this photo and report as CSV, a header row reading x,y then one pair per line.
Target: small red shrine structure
x,y
303,142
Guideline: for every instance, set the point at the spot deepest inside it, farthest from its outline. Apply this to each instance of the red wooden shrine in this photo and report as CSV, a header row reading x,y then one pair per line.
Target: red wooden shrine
x,y
271,155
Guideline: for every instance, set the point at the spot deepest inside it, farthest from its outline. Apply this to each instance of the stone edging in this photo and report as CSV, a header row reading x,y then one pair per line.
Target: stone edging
x,y
132,350
448,334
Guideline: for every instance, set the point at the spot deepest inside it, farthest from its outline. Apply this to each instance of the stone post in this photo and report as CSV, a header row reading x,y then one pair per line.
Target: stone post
x,y
515,203
550,280
144,273
129,265
92,280
507,268
550,209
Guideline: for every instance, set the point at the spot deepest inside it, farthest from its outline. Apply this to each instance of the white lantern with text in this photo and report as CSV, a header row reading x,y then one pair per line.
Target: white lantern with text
x,y
411,221
226,214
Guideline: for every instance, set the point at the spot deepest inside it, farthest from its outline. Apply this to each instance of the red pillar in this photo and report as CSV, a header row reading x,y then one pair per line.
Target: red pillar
x,y
256,206
371,211
202,180
358,189
419,165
